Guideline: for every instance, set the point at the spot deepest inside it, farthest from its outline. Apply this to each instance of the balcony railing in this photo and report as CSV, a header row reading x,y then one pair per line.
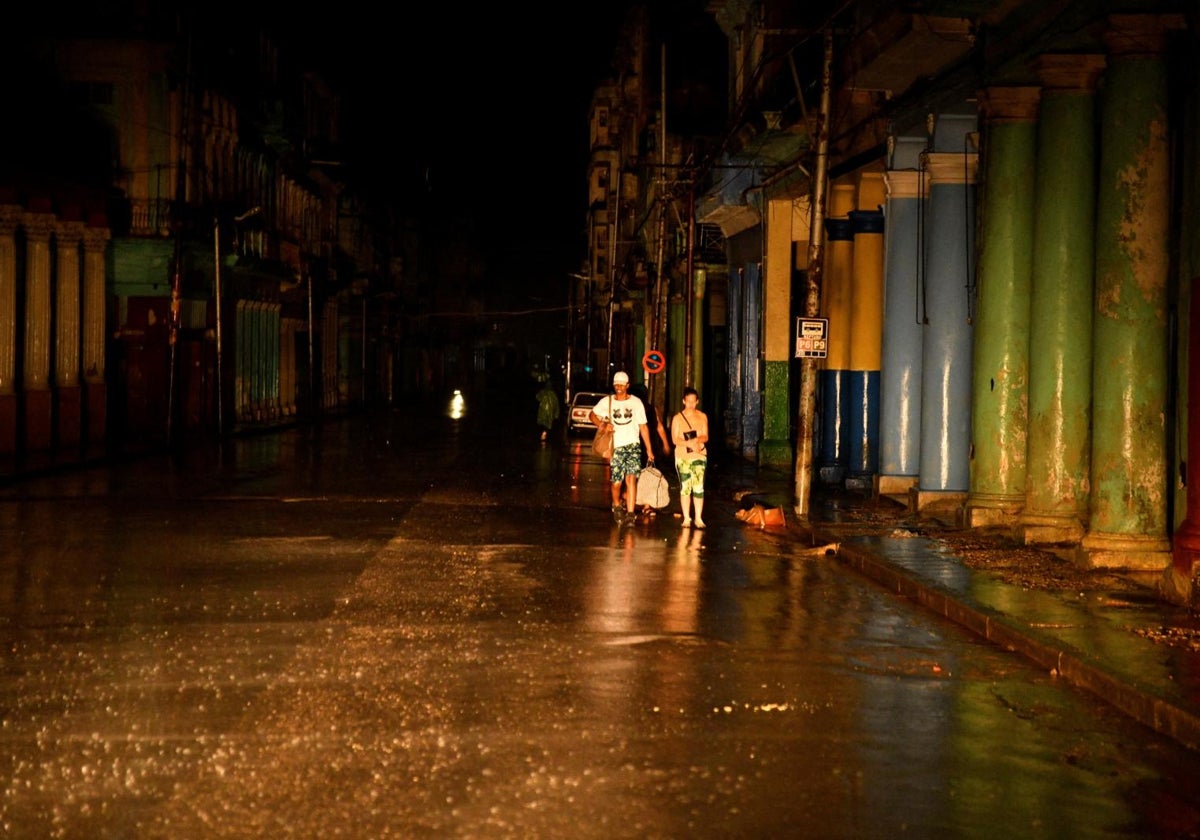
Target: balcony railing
x,y
150,216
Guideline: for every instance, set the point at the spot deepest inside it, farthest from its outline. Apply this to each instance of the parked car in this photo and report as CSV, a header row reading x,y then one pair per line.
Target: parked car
x,y
579,418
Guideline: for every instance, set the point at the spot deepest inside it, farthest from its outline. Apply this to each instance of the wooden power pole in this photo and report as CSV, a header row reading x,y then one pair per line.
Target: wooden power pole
x,y
812,299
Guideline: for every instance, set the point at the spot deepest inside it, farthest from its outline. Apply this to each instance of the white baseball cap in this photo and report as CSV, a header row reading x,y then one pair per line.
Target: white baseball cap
x,y
620,377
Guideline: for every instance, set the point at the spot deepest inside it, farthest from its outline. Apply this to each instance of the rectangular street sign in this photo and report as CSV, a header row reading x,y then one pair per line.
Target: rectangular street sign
x,y
812,338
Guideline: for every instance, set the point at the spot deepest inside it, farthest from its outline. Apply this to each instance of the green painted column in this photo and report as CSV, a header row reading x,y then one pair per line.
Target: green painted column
x,y
676,351
1060,328
262,359
775,448
1000,379
241,341
274,311
699,281
1128,509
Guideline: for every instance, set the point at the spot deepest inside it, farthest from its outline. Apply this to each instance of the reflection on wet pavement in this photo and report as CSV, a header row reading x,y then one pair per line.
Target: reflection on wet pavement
x,y
401,629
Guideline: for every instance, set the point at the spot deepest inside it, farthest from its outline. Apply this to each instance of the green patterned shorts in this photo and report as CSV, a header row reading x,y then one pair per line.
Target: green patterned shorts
x,y
691,476
626,460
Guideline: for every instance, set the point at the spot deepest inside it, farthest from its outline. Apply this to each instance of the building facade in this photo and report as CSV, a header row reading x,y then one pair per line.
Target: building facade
x,y
1005,261
210,270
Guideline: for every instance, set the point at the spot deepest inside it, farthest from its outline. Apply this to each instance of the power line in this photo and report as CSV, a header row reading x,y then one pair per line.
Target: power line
x,y
497,313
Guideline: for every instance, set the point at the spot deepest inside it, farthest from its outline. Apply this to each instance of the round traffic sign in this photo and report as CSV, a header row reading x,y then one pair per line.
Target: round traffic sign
x,y
654,361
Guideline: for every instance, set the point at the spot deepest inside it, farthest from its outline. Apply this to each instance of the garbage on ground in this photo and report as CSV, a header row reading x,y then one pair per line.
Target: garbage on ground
x,y
762,516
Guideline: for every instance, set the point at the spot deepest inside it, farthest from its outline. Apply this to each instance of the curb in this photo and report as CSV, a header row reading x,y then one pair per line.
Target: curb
x,y
1140,702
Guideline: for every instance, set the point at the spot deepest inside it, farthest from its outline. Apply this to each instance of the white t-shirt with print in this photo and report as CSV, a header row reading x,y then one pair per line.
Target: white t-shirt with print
x,y
627,416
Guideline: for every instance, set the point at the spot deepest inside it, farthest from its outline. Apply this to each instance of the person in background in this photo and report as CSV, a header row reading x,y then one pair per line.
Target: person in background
x,y
654,423
689,433
627,414
548,408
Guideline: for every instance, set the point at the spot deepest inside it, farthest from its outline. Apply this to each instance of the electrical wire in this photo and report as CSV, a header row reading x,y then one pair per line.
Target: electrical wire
x,y
495,313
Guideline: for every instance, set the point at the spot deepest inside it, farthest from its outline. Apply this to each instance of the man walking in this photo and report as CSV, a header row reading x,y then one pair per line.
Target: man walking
x,y
547,413
627,414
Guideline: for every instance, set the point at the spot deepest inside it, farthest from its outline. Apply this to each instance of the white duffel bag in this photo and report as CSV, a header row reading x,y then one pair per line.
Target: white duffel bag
x,y
653,489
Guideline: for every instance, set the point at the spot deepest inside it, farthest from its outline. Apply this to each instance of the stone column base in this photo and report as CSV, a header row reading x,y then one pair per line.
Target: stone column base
x,y
1123,551
69,417
946,502
984,509
97,412
774,453
895,486
39,420
831,475
1049,528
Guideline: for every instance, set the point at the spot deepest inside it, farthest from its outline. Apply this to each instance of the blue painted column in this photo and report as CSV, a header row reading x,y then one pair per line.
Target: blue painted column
x,y
946,348
866,330
733,414
903,316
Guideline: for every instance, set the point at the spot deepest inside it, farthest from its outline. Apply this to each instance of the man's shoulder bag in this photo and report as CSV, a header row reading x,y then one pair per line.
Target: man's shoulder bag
x,y
602,443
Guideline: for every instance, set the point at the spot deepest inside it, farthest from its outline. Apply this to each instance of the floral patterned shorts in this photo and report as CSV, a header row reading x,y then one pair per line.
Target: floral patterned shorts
x,y
626,460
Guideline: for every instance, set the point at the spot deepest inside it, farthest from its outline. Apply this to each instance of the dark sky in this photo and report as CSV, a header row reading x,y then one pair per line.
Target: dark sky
x,y
481,103
487,103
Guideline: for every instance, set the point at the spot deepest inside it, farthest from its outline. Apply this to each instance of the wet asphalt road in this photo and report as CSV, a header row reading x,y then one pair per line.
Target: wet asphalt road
x,y
410,625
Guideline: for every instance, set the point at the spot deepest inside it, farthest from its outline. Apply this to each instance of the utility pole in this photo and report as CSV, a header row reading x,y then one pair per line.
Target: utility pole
x,y
658,326
689,287
614,230
812,298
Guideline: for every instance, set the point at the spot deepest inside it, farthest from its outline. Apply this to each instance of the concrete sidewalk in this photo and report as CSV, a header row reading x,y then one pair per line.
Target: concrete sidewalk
x,y
1125,644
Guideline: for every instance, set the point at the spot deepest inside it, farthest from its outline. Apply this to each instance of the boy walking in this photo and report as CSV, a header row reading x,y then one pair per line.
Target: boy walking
x,y
627,414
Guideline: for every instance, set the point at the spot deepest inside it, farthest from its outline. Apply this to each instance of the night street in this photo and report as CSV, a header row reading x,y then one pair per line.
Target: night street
x,y
410,625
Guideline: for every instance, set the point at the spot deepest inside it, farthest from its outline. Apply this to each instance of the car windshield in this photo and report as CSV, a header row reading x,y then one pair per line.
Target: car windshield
x,y
586,400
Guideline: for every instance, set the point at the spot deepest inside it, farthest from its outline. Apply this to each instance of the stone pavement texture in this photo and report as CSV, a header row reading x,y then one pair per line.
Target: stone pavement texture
x,y
1106,632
